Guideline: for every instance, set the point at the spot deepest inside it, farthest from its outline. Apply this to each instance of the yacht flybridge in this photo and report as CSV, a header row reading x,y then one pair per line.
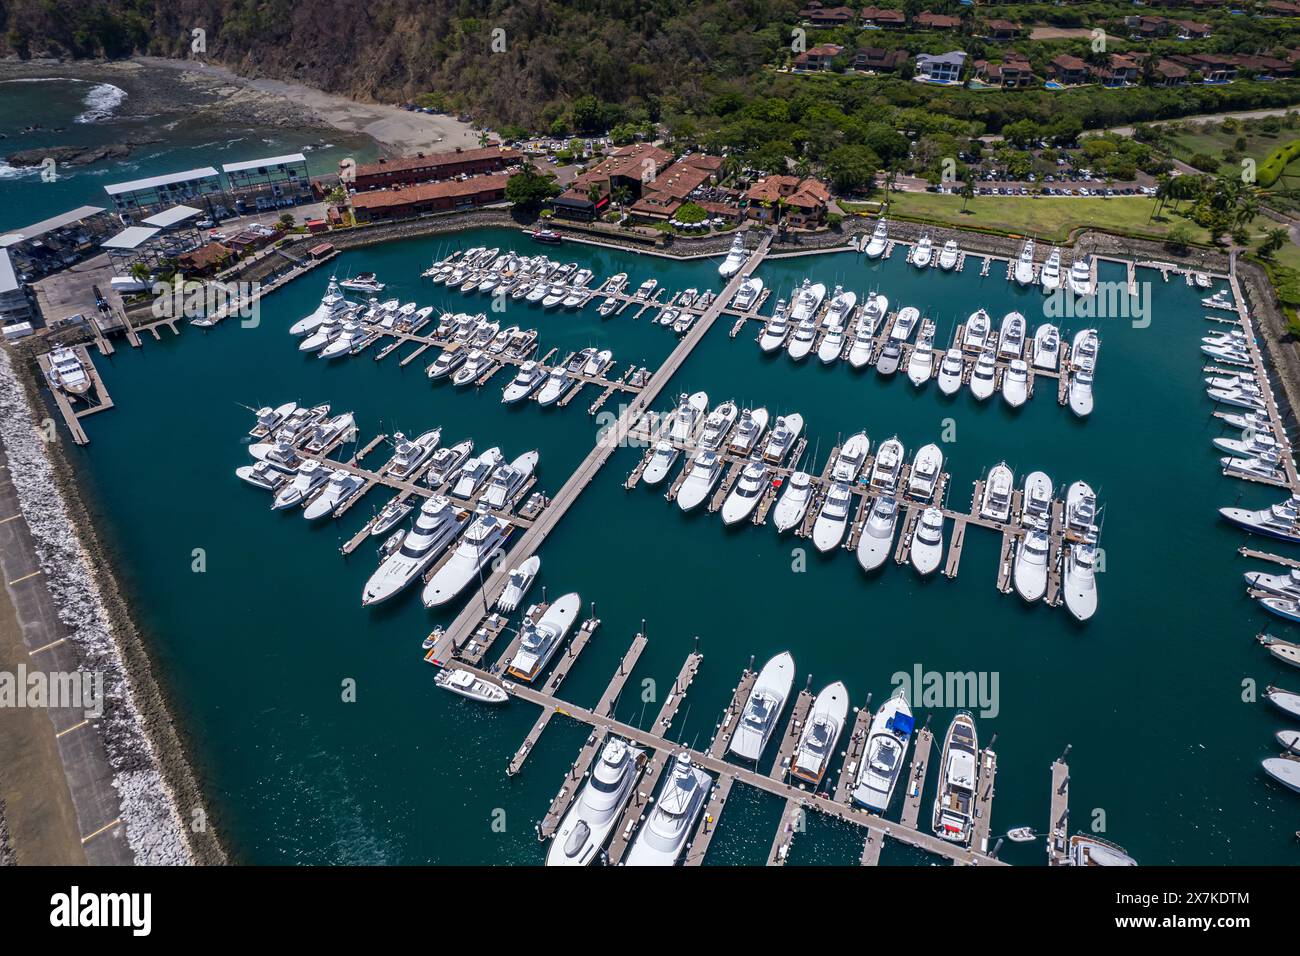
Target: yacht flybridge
x,y
587,827
736,257
821,732
954,803
757,722
875,246
538,641
884,754
668,826
1023,271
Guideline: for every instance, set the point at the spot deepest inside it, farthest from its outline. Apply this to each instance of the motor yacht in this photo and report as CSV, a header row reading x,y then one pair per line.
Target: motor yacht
x,y
884,754
1080,392
717,425
310,476
1047,347
688,418
982,376
363,282
1280,585
67,373
474,474
833,520
705,470
749,431
1015,383
517,584
850,458
1079,580
269,419
954,803
793,503
924,476
1023,271
451,359
485,538
948,256
927,542
408,455
1081,283
436,526
736,257
338,491
1051,274
1011,337
887,467
951,370
596,810
923,252
508,481
821,733
875,246
975,333
775,329
264,475
1030,567
747,295
1036,507
996,501
782,438
470,685
745,494
877,538
526,381
538,641
447,461
1090,850
1081,510
667,827
920,365
757,722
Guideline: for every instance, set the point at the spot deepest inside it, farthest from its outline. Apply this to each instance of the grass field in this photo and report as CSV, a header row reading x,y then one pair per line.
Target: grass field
x,y
1213,141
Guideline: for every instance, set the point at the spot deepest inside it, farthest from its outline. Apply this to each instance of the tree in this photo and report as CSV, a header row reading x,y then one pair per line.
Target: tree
x,y
285,222
967,191
1274,240
852,169
1178,239
528,189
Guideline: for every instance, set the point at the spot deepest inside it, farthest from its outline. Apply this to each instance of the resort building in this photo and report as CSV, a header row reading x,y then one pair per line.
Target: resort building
x,y
801,203
60,241
269,183
1069,70
935,21
1121,70
874,18
1014,72
820,16
876,60
405,202
628,171
1001,30
420,168
201,186
1169,73
819,57
940,68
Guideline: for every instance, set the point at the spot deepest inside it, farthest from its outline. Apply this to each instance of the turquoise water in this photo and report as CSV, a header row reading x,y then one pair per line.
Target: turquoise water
x,y
68,113
255,649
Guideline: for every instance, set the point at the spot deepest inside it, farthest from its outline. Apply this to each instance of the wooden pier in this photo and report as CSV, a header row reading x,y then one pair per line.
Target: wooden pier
x,y
1058,824
726,726
790,739
853,755
916,777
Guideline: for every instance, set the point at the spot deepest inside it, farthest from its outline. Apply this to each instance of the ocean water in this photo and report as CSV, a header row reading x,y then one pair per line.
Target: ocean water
x,y
255,650
83,113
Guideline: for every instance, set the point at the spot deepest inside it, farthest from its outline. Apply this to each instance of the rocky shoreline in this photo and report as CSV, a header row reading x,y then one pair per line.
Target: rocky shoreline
x,y
161,805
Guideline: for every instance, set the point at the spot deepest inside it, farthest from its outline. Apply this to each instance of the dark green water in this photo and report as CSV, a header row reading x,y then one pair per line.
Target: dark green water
x,y
255,649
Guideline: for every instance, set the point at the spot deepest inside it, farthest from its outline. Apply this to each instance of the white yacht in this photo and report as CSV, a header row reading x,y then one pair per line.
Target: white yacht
x,y
1280,585
1281,521
437,525
338,490
1081,283
890,356
905,322
775,329
717,425
851,457
840,308
483,539
884,754
332,304
596,810
1088,850
539,640
280,454
1283,700
508,480
875,246
1080,584
923,252
996,501
954,804
323,334
948,256
806,301
705,471
747,295
951,370
1251,445
887,468
446,461
688,417
749,431
801,342
982,381
736,257
615,284
468,684
832,344
744,496
1024,268
920,365
1080,391
782,438
1015,383
821,732
975,334
793,503
1036,501
1047,347
644,290
598,363
1011,337
363,282
475,472
67,372
348,341
477,364
927,543
408,455
877,538
757,722
526,381
1081,509
269,419
1051,274
864,339
264,475
661,462
924,476
310,476
452,358
833,520
1030,568
681,800
556,384
518,583
322,434
1285,770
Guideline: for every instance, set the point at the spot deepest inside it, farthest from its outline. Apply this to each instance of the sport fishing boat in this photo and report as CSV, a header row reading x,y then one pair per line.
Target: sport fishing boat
x,y
920,365
264,475
793,503
749,431
864,339
556,384
597,363
1256,445
954,804
644,290
363,282
323,334
340,488
475,472
332,305
1030,568
663,836
1051,274
538,641
408,456
1024,268
269,419
1092,850
806,301
833,520
744,496
951,370
927,543
508,480
996,502
324,433
310,476
1079,581
884,753
1081,509
923,252
1011,337
1282,585
1080,392
67,373
875,246
975,334
1036,509
1283,700
1015,383
448,362
747,295
446,461
1081,283
736,257
877,538
349,341
890,356
437,525
470,685
1047,347
526,381
832,344
924,476
661,462
484,539
840,308
887,467
948,256
851,456
596,810
821,732
982,381
278,454
704,473
686,420
775,329
801,342
717,425
518,583
784,434
757,722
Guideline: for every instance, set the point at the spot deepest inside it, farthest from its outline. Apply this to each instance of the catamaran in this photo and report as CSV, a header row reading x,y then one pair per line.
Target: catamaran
x,y
663,836
756,724
438,524
794,501
927,543
883,755
483,540
954,804
878,534
595,812
1024,268
538,641
821,732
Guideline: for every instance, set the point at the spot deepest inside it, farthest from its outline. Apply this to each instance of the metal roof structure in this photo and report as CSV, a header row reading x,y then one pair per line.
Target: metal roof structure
x,y
132,237
170,217
259,163
117,189
38,229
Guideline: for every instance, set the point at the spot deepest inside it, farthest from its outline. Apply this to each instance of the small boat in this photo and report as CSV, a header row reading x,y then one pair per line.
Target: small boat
x,y
982,376
363,282
520,580
539,640
996,501
1030,568
793,503
1023,271
67,372
1022,835
1015,383
875,246
596,810
1047,348
927,543
736,257
663,836
704,473
924,476
948,256
1051,274
954,804
338,490
877,538
757,722
481,542
882,757
923,252
468,684
951,370
1284,770
782,438
1202,280
833,520
1094,851
1284,701
744,496
821,732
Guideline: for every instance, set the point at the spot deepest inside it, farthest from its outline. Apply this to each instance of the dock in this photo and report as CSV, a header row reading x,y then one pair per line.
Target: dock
x,y
790,739
916,776
853,754
1058,823
726,726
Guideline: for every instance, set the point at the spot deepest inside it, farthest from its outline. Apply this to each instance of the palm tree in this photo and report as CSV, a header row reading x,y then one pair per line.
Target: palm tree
x,y
967,191
1274,239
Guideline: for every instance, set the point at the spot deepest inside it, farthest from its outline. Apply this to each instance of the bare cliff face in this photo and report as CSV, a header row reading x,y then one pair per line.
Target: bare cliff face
x,y
506,60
